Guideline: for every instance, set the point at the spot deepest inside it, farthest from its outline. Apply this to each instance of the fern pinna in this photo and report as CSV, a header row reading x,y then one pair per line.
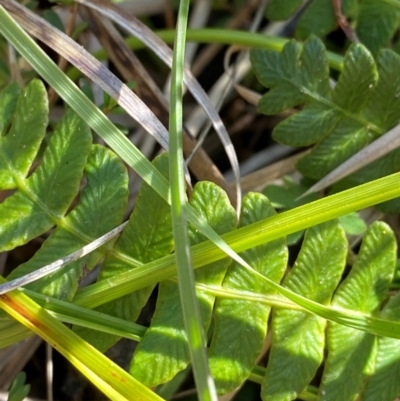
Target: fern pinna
x,y
362,105
46,172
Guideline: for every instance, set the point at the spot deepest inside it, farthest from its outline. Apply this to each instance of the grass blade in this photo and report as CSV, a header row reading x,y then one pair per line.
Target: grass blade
x,y
117,384
190,306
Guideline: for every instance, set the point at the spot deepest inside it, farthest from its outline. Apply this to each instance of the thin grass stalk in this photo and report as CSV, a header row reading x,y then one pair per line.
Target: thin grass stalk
x,y
186,281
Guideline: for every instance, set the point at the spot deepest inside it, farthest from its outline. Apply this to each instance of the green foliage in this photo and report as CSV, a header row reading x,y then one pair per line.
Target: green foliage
x,y
384,382
148,236
353,224
340,121
163,351
287,197
241,325
50,198
29,119
375,21
298,338
43,199
352,353
19,390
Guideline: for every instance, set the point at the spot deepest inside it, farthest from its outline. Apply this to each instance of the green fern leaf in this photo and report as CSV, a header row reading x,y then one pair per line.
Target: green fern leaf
x,y
147,236
240,325
8,100
384,109
377,22
384,383
100,209
340,121
21,143
351,352
383,106
163,351
298,338
42,199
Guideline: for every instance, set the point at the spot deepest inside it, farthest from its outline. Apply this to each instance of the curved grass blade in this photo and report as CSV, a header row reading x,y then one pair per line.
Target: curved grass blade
x,y
163,351
69,313
298,338
351,353
91,67
138,29
240,325
106,375
58,264
96,119
259,233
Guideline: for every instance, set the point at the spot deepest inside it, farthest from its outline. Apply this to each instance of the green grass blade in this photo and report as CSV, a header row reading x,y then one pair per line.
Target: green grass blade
x,y
190,306
117,384
72,314
256,234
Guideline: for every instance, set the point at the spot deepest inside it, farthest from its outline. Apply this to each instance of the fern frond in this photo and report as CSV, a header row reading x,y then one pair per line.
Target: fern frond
x,y
340,121
21,143
352,353
99,210
240,325
298,338
147,236
42,199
